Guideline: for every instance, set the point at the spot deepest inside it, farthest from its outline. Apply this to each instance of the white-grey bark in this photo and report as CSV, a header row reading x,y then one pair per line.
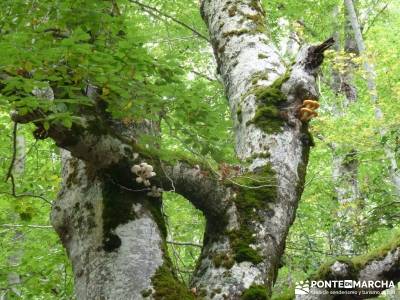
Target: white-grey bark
x,y
19,164
371,81
14,261
108,262
269,135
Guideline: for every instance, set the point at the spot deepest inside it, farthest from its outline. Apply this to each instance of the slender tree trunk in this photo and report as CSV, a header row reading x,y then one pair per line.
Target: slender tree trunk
x,y
371,81
344,166
15,259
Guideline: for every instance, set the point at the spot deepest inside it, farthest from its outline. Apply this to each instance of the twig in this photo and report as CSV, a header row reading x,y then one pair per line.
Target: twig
x,y
13,194
30,226
308,249
184,244
126,188
10,168
10,174
203,76
169,178
376,17
171,18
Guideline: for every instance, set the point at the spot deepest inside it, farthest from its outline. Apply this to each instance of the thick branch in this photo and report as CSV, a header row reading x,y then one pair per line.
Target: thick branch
x,y
110,147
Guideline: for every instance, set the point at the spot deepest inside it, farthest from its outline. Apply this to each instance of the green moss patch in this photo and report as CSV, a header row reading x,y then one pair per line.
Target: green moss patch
x,y
241,240
167,286
255,292
287,294
376,254
325,272
259,76
254,192
223,260
269,100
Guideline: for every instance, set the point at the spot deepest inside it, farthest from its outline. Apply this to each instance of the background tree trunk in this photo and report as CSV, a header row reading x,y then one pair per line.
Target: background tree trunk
x,y
344,166
371,81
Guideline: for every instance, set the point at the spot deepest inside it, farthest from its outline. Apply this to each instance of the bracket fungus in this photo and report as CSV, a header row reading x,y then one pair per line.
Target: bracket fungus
x,y
307,111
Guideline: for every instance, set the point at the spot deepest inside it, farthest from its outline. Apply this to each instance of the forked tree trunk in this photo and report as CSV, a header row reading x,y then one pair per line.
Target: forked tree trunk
x,y
113,228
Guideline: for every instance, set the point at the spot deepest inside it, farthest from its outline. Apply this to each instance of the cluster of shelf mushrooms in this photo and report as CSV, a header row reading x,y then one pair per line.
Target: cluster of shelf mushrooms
x,y
307,111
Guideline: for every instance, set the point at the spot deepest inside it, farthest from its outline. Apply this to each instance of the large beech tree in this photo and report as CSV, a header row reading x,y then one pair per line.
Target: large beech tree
x,y
108,213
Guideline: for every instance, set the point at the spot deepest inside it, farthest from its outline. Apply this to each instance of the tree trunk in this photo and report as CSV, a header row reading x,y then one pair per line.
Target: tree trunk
x,y
381,267
344,166
242,251
371,81
115,238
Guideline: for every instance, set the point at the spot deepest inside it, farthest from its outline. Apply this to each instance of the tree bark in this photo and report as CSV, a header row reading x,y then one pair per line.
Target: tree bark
x,y
241,255
113,240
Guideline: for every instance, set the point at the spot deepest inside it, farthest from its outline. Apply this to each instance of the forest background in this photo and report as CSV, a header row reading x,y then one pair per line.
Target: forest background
x,y
349,194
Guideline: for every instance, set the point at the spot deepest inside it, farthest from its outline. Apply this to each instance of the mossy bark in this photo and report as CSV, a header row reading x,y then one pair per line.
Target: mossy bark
x,y
115,237
244,244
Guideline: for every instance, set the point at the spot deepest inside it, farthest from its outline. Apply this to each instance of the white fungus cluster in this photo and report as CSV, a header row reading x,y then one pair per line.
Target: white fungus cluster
x,y
144,171
155,192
